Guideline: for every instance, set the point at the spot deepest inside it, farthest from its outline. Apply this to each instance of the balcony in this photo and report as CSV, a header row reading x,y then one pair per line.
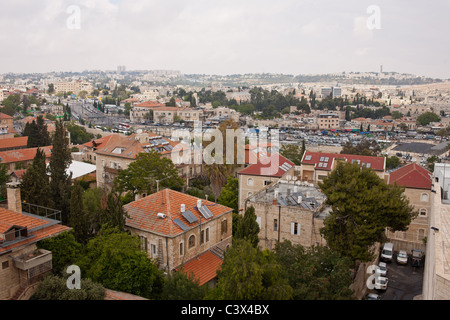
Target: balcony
x,y
33,259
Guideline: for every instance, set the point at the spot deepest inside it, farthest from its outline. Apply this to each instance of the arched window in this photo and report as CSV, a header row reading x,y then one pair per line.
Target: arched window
x,y
423,212
250,182
424,197
191,241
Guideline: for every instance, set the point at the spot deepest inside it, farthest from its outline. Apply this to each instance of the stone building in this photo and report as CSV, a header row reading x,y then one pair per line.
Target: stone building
x,y
266,169
177,229
289,211
417,183
315,166
22,264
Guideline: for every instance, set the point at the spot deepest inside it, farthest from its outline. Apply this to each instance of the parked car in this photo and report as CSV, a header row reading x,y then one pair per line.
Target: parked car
x,y
381,283
373,296
416,257
402,257
387,252
382,269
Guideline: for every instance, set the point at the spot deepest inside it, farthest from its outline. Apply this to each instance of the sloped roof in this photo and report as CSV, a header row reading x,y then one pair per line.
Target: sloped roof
x,y
204,267
10,218
17,142
130,146
144,212
323,161
411,176
270,165
23,154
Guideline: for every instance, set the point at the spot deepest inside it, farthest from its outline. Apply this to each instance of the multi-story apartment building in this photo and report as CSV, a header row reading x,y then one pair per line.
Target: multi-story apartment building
x,y
327,121
178,230
75,87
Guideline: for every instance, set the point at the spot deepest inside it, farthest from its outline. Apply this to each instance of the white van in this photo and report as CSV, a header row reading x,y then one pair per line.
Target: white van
x,y
387,252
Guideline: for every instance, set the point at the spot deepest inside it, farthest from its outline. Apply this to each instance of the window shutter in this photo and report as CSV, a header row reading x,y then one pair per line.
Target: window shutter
x,y
292,227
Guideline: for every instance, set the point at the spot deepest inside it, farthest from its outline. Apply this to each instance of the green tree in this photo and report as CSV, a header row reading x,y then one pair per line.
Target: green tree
x,y
427,117
142,175
51,88
363,206
293,152
79,218
364,148
112,213
247,273
55,288
115,260
182,286
65,250
35,184
315,273
60,181
392,162
431,161
230,193
248,228
78,134
4,178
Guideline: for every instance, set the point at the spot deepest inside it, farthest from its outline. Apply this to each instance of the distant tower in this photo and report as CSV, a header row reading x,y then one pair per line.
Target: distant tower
x,y
381,69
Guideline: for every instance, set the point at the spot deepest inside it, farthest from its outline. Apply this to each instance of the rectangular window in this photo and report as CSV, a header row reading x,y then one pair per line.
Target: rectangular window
x,y
5,264
295,228
275,225
153,250
181,248
202,237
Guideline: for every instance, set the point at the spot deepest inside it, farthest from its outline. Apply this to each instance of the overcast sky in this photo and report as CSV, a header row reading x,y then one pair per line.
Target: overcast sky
x,y
226,37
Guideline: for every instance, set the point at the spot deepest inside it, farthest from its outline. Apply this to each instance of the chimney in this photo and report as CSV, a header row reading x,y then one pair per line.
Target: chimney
x,y
13,194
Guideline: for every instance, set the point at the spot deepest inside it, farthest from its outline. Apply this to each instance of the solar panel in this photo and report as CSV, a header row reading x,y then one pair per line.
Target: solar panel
x,y
281,201
292,200
181,224
189,216
306,206
205,212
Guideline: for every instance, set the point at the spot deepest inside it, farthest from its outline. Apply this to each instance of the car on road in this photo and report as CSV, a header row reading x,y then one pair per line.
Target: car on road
x,y
416,257
402,257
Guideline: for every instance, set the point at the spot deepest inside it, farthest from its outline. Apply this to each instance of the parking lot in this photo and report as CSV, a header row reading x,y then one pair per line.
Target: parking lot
x,y
405,282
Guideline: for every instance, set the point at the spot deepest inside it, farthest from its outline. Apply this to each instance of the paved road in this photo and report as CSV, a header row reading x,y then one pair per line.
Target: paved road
x,y
405,282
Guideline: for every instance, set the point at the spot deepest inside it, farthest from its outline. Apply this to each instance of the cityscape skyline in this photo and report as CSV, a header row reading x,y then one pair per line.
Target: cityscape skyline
x,y
222,38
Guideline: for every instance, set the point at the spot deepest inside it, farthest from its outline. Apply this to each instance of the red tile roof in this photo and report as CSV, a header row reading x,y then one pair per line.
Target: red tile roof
x,y
144,212
4,116
98,142
204,267
149,104
23,154
411,176
9,143
269,165
320,161
130,147
9,218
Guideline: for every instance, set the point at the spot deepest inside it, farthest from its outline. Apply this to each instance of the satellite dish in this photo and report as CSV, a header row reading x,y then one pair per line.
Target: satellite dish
x,y
294,178
288,177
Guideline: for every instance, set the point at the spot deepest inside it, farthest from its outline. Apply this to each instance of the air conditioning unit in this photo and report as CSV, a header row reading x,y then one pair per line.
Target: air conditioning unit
x,y
161,215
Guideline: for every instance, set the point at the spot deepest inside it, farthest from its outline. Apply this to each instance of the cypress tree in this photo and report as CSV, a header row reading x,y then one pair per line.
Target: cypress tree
x,y
60,181
35,185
